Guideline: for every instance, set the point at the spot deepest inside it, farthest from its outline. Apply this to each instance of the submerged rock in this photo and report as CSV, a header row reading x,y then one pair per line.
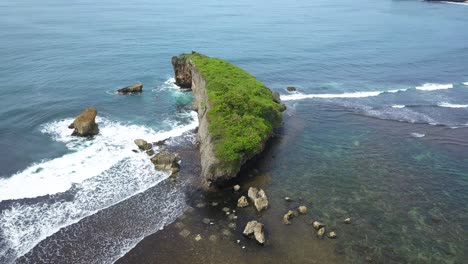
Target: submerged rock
x,y
347,221
166,161
184,233
135,88
302,209
142,144
256,229
332,235
288,216
242,202
321,232
85,123
259,198
317,225
150,152
291,89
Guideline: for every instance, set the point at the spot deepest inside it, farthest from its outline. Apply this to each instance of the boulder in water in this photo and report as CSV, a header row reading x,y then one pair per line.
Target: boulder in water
x,y
85,123
332,235
317,225
291,89
287,217
321,232
242,202
259,198
302,209
142,144
256,229
135,88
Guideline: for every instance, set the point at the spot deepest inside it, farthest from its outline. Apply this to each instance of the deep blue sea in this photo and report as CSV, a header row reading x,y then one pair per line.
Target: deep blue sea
x,y
380,114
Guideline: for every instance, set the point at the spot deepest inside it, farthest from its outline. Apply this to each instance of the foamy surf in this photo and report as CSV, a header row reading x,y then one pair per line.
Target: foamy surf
x,y
300,96
418,135
89,159
449,105
434,86
465,83
104,170
398,106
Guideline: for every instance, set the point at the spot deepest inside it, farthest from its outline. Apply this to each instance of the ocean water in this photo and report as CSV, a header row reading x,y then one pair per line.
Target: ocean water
x,y
380,119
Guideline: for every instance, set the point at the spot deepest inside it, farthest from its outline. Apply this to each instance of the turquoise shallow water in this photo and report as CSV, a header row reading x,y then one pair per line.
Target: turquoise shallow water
x,y
382,98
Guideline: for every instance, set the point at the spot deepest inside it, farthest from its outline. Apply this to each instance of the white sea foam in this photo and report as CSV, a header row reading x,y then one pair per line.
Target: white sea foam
x,y
105,172
455,3
397,90
465,83
449,105
91,157
300,96
418,135
398,106
434,86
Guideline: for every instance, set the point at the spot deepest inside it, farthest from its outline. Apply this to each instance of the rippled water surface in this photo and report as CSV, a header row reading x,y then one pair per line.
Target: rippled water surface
x,y
377,129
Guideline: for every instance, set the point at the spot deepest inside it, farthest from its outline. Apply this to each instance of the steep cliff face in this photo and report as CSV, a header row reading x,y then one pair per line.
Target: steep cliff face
x,y
215,168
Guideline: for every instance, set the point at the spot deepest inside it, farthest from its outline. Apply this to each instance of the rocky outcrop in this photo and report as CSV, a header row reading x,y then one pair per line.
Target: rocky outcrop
x,y
166,161
135,88
256,229
291,89
85,123
258,198
213,170
183,71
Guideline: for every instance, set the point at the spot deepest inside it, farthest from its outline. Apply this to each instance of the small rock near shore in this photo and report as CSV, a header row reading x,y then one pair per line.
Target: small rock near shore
x,y
302,209
135,88
256,229
236,188
287,199
166,161
84,124
288,216
142,144
150,152
259,198
347,221
317,225
332,235
242,202
291,89
321,232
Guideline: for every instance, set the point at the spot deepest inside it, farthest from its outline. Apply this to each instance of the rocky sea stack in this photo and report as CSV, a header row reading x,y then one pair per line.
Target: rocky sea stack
x,y
85,123
237,114
135,88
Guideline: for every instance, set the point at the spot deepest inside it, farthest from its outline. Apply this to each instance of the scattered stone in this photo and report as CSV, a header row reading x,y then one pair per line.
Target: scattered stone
x,y
134,150
179,225
347,221
184,233
332,235
302,209
291,89
242,202
150,152
288,216
238,241
317,225
236,188
226,209
259,198
84,124
190,210
135,88
166,161
200,205
232,217
321,232
226,232
206,221
232,225
198,237
142,144
214,204
255,228
287,199
213,238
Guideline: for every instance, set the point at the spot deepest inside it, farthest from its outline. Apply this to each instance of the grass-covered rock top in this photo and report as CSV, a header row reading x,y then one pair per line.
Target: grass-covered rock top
x,y
242,113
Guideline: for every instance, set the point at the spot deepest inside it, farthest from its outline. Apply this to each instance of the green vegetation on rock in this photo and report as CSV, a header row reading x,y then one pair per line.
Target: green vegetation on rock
x,y
242,112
